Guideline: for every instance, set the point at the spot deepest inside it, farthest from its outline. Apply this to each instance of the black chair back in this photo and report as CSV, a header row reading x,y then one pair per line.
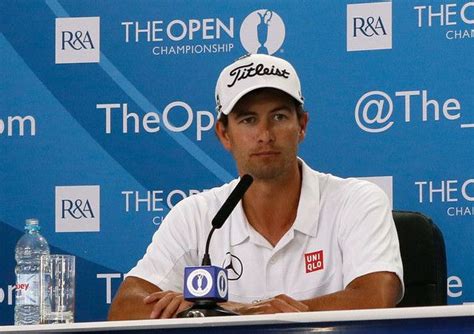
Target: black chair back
x,y
424,260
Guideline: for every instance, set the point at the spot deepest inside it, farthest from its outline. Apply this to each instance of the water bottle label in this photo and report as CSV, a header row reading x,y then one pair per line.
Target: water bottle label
x,y
27,289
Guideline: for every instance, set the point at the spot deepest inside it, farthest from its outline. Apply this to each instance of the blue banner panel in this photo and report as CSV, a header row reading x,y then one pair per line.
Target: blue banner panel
x,y
107,117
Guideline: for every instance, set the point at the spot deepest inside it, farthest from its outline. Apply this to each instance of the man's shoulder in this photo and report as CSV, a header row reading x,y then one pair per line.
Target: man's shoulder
x,y
330,182
339,187
349,184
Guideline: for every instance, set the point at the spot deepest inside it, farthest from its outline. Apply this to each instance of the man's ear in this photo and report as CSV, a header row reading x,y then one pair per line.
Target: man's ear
x,y
221,132
303,121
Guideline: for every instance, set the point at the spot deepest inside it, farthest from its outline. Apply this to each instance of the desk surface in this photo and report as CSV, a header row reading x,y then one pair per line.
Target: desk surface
x,y
436,319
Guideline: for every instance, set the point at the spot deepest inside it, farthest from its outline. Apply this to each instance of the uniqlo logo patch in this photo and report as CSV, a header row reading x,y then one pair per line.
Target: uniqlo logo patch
x,y
314,261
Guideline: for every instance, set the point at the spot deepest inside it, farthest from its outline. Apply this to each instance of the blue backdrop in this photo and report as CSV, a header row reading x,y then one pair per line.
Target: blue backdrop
x,y
107,109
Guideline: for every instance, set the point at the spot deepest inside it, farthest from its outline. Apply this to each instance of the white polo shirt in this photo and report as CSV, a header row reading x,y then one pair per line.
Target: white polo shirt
x,y
343,229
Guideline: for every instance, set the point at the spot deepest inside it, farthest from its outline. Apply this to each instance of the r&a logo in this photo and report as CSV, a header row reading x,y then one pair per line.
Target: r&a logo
x,y
369,26
77,40
78,209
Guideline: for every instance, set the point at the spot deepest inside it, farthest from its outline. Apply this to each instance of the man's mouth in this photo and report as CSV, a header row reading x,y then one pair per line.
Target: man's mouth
x,y
265,153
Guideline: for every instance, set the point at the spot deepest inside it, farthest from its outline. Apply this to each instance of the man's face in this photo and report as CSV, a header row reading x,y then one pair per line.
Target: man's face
x,y
263,133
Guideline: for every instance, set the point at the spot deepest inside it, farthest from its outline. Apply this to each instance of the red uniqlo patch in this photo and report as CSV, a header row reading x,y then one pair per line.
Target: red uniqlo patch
x,y
314,261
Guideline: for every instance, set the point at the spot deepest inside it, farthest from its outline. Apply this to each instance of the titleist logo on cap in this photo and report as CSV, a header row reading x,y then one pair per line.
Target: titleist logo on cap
x,y
248,71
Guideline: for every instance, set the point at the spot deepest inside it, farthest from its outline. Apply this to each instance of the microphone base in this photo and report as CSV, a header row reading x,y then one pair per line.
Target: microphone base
x,y
205,308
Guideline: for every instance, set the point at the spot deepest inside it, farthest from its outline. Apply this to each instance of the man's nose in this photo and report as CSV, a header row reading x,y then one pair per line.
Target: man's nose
x,y
265,132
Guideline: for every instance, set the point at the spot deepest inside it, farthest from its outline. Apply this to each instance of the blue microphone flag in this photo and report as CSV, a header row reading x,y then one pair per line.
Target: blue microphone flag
x,y
205,282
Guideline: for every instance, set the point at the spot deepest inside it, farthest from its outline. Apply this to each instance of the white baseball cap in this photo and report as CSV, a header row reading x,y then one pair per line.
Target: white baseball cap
x,y
252,72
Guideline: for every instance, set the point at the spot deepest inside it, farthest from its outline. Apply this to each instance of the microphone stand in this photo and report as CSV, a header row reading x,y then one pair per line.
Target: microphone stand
x,y
208,307
205,307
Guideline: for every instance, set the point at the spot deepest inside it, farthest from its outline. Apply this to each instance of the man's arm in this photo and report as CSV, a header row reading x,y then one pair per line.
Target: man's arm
x,y
128,301
140,299
375,290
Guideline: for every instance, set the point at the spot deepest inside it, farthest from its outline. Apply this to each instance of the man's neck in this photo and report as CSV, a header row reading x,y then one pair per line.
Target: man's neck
x,y
271,206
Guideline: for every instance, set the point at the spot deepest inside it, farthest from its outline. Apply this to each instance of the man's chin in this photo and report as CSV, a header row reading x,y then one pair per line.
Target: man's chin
x,y
265,173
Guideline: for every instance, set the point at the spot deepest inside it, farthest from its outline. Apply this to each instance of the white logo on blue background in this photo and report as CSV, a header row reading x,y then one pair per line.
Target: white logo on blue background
x,y
458,17
199,283
262,31
222,284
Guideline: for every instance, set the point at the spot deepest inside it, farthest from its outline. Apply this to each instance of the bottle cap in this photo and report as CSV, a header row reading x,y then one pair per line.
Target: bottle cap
x,y
32,222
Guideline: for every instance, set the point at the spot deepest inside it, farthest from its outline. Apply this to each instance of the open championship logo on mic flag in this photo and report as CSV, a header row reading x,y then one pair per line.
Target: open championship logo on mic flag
x,y
199,282
207,282
222,286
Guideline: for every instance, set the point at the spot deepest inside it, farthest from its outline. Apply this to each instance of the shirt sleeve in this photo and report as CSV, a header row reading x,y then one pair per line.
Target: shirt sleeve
x,y
368,237
172,248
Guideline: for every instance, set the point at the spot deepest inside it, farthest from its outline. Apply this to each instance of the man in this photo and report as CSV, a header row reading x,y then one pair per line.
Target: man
x,y
299,240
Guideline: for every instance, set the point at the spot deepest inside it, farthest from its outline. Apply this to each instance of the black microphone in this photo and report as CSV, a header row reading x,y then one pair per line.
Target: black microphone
x,y
206,285
231,202
225,211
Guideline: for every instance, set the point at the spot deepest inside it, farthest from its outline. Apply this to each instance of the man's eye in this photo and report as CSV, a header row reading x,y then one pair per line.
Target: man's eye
x,y
279,117
247,120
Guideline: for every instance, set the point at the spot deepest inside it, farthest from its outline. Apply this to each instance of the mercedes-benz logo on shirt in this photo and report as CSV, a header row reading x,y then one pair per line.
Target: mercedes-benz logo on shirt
x,y
234,266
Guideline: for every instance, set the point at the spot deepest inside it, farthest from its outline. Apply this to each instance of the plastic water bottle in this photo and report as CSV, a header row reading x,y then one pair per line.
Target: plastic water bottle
x,y
28,251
